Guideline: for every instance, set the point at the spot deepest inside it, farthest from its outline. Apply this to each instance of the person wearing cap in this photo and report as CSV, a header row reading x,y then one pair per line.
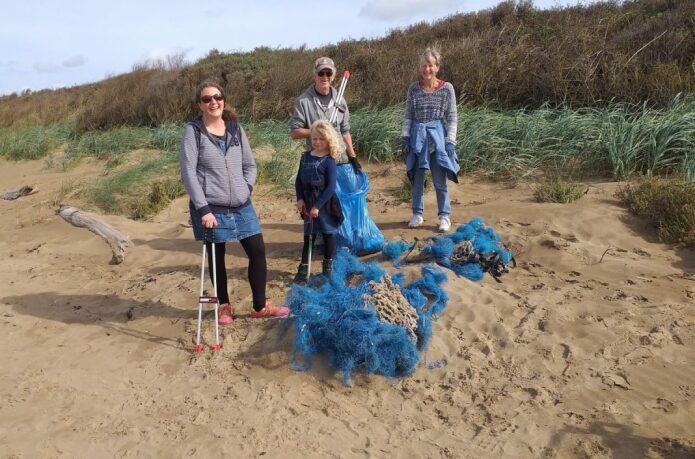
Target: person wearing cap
x,y
317,103
429,139
357,232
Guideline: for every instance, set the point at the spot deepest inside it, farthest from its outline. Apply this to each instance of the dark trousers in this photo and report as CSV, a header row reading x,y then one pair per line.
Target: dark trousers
x,y
254,246
328,247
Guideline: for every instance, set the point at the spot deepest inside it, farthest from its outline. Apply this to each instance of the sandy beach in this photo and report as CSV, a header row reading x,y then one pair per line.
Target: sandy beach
x,y
584,350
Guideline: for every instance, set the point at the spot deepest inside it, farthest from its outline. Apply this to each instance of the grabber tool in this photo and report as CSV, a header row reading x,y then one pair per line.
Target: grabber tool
x,y
202,299
341,90
311,240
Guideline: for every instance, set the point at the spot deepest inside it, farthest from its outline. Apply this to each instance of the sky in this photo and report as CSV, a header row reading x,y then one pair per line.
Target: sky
x,y
61,43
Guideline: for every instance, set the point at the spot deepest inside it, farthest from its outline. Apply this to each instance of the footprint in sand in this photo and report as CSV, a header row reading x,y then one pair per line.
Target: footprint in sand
x,y
662,404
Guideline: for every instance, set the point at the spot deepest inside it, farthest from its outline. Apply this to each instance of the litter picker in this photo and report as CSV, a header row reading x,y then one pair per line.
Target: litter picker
x,y
202,299
311,240
341,90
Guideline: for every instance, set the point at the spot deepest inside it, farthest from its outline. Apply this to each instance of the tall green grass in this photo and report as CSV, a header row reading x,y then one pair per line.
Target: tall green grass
x,y
137,191
619,141
34,142
281,168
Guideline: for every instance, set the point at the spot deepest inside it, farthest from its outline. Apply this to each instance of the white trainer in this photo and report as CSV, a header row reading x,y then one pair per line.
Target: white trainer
x,y
444,224
415,221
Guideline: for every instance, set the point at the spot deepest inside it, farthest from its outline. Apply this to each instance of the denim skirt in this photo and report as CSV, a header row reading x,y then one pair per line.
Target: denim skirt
x,y
232,225
325,223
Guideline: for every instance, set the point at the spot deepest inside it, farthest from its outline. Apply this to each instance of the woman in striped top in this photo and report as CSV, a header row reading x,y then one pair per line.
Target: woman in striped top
x,y
429,138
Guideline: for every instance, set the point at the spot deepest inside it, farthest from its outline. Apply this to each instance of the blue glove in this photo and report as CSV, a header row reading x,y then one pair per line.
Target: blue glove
x,y
450,149
405,146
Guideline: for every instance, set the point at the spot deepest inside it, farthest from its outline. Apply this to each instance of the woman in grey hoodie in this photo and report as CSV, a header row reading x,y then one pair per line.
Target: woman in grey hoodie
x,y
219,172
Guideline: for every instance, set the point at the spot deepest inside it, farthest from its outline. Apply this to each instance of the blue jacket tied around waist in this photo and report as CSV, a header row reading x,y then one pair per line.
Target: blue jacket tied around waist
x,y
420,136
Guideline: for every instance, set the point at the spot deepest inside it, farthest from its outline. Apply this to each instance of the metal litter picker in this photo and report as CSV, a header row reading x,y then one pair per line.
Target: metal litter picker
x,y
341,90
208,300
311,240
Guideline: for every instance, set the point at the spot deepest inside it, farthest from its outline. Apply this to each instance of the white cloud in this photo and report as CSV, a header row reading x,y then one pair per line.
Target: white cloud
x,y
386,10
74,61
46,68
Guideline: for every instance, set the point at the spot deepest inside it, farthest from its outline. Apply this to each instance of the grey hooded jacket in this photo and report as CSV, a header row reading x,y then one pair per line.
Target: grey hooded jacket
x,y
213,177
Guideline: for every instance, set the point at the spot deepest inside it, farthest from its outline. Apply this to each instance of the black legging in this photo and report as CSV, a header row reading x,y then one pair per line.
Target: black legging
x,y
257,272
328,247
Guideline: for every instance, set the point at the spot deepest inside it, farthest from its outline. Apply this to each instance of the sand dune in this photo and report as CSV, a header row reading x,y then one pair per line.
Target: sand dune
x,y
586,349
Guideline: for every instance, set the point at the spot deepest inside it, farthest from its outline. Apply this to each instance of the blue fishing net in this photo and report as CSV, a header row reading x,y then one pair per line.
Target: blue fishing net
x,y
333,319
487,254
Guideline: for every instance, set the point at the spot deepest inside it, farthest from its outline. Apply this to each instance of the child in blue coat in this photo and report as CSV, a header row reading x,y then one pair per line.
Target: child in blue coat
x,y
316,198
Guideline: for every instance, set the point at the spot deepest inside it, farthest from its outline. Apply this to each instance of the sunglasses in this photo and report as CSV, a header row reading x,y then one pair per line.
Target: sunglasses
x,y
207,99
325,73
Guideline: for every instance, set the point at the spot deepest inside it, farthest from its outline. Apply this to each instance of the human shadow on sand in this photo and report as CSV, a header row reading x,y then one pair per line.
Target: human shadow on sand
x,y
108,311
643,228
623,443
274,250
269,346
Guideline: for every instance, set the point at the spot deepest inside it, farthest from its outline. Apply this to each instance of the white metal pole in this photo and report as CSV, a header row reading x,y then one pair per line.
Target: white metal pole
x,y
217,298
198,347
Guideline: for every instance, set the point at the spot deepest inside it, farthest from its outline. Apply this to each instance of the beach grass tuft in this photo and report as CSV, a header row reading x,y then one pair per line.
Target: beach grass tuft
x,y
668,203
558,190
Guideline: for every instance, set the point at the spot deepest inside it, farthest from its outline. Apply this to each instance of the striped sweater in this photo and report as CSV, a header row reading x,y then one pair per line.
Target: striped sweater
x,y
424,107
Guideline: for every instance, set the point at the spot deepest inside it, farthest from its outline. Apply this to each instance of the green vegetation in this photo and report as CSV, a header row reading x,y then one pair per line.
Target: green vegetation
x,y
669,204
161,193
506,57
137,191
618,141
558,190
598,90
34,142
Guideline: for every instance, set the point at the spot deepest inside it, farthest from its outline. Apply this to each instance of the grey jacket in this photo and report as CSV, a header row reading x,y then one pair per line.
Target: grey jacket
x,y
307,109
212,176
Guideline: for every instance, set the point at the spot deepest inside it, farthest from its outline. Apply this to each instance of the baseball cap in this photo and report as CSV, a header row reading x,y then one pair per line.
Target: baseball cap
x,y
324,63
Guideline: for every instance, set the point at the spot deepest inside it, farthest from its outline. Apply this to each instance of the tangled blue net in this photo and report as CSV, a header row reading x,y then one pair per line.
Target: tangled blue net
x,y
487,254
334,320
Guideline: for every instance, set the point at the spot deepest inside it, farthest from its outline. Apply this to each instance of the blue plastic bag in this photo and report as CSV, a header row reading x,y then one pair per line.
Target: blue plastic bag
x,y
358,232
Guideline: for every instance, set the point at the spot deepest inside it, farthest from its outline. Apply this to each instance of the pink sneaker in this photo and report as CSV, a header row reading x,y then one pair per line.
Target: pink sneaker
x,y
270,311
226,314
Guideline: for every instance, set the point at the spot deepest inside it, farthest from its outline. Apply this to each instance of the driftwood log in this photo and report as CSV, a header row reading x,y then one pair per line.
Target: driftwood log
x,y
116,240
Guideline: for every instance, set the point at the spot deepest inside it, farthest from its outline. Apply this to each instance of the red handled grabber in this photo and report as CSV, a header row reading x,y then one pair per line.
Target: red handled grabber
x,y
202,299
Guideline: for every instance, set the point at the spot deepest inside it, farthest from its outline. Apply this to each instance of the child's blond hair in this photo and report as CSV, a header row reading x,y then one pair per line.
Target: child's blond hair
x,y
326,130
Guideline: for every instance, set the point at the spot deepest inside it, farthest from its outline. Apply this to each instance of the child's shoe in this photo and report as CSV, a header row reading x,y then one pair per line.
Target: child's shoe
x,y
328,267
270,311
302,275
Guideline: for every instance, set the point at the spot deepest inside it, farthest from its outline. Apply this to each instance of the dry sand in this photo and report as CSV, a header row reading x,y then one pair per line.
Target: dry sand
x,y
586,349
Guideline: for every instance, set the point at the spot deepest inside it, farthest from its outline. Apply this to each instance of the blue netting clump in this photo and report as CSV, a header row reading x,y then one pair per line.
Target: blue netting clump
x,y
485,251
333,319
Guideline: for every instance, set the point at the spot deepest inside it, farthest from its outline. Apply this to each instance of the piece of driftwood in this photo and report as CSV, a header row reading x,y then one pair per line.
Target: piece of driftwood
x,y
116,240
26,190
